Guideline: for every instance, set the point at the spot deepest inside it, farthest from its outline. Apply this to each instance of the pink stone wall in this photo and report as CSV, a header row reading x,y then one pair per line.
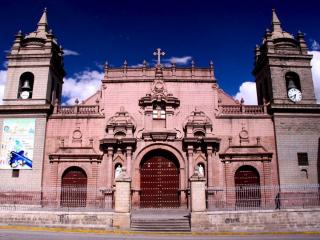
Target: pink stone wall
x,y
193,94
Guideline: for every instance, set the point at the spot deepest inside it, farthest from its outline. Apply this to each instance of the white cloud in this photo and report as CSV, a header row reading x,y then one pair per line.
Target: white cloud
x,y
315,63
248,92
81,85
3,78
68,52
179,60
315,46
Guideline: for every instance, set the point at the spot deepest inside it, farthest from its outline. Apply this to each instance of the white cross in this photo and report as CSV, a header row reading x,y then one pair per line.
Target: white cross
x,y
159,54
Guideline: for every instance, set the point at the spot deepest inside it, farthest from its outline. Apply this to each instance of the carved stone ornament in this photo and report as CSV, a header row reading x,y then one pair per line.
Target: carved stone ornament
x,y
158,87
244,134
122,123
77,135
198,124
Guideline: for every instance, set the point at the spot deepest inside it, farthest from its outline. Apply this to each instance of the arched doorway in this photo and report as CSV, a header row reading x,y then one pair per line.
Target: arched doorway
x,y
74,188
159,172
247,183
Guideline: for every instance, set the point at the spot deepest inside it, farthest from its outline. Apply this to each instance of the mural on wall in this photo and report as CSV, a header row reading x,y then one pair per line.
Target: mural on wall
x,y
17,143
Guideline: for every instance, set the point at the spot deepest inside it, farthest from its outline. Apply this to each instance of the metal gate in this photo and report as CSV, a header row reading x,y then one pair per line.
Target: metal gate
x,y
247,182
74,188
159,183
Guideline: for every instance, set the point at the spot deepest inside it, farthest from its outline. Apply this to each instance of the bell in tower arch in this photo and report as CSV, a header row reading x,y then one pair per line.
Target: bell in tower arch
x,y
26,85
291,84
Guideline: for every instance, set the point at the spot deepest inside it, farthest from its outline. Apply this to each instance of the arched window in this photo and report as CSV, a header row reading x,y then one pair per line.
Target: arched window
x,y
25,85
292,80
74,188
247,183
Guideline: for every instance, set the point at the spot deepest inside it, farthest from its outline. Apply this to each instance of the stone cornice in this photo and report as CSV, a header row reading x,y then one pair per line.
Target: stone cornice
x,y
105,143
81,154
16,109
296,108
159,136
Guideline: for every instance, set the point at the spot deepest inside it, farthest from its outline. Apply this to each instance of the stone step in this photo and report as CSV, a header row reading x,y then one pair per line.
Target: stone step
x,y
160,220
160,230
160,225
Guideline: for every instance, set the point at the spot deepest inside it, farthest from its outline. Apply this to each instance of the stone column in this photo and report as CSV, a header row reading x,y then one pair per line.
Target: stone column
x,y
169,117
217,170
210,166
148,117
129,159
103,173
109,167
190,161
122,207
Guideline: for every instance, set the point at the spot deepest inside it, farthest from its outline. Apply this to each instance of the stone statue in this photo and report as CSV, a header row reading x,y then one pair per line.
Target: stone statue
x,y
201,170
118,171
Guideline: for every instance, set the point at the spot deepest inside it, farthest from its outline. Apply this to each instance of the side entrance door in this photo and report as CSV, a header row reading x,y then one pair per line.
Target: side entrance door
x,y
74,188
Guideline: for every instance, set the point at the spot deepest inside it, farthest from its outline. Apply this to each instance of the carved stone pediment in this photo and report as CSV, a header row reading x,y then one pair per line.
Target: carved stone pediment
x,y
121,125
198,117
254,152
168,99
159,93
198,125
76,153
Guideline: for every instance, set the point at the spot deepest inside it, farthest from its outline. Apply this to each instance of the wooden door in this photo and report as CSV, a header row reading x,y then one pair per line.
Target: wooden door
x,y
74,188
159,183
247,182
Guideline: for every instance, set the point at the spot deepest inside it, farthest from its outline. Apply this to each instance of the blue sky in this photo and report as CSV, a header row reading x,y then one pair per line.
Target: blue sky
x,y
222,31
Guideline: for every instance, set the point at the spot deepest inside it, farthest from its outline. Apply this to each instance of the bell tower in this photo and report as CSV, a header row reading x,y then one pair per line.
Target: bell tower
x,y
35,68
283,79
282,68
34,82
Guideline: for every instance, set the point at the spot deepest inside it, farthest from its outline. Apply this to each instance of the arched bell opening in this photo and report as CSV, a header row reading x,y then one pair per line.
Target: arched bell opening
x,y
26,85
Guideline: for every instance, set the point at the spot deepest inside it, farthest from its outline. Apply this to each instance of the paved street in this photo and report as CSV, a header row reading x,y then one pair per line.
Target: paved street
x,y
37,235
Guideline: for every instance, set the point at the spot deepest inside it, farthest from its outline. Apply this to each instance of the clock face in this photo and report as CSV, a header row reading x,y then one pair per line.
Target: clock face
x,y
294,95
24,94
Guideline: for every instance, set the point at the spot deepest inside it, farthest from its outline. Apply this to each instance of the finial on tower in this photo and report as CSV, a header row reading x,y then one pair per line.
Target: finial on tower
x,y
43,22
276,24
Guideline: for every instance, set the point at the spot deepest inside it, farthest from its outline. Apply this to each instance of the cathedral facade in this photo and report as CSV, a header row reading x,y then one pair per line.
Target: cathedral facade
x,y
159,126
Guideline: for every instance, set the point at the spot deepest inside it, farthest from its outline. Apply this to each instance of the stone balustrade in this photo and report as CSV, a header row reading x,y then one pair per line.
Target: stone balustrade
x,y
242,109
77,109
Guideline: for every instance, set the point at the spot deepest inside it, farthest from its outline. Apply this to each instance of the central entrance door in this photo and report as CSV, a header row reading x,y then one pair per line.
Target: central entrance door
x,y
159,183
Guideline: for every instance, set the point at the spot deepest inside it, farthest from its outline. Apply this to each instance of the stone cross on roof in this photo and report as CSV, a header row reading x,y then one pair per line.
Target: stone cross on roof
x,y
159,54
